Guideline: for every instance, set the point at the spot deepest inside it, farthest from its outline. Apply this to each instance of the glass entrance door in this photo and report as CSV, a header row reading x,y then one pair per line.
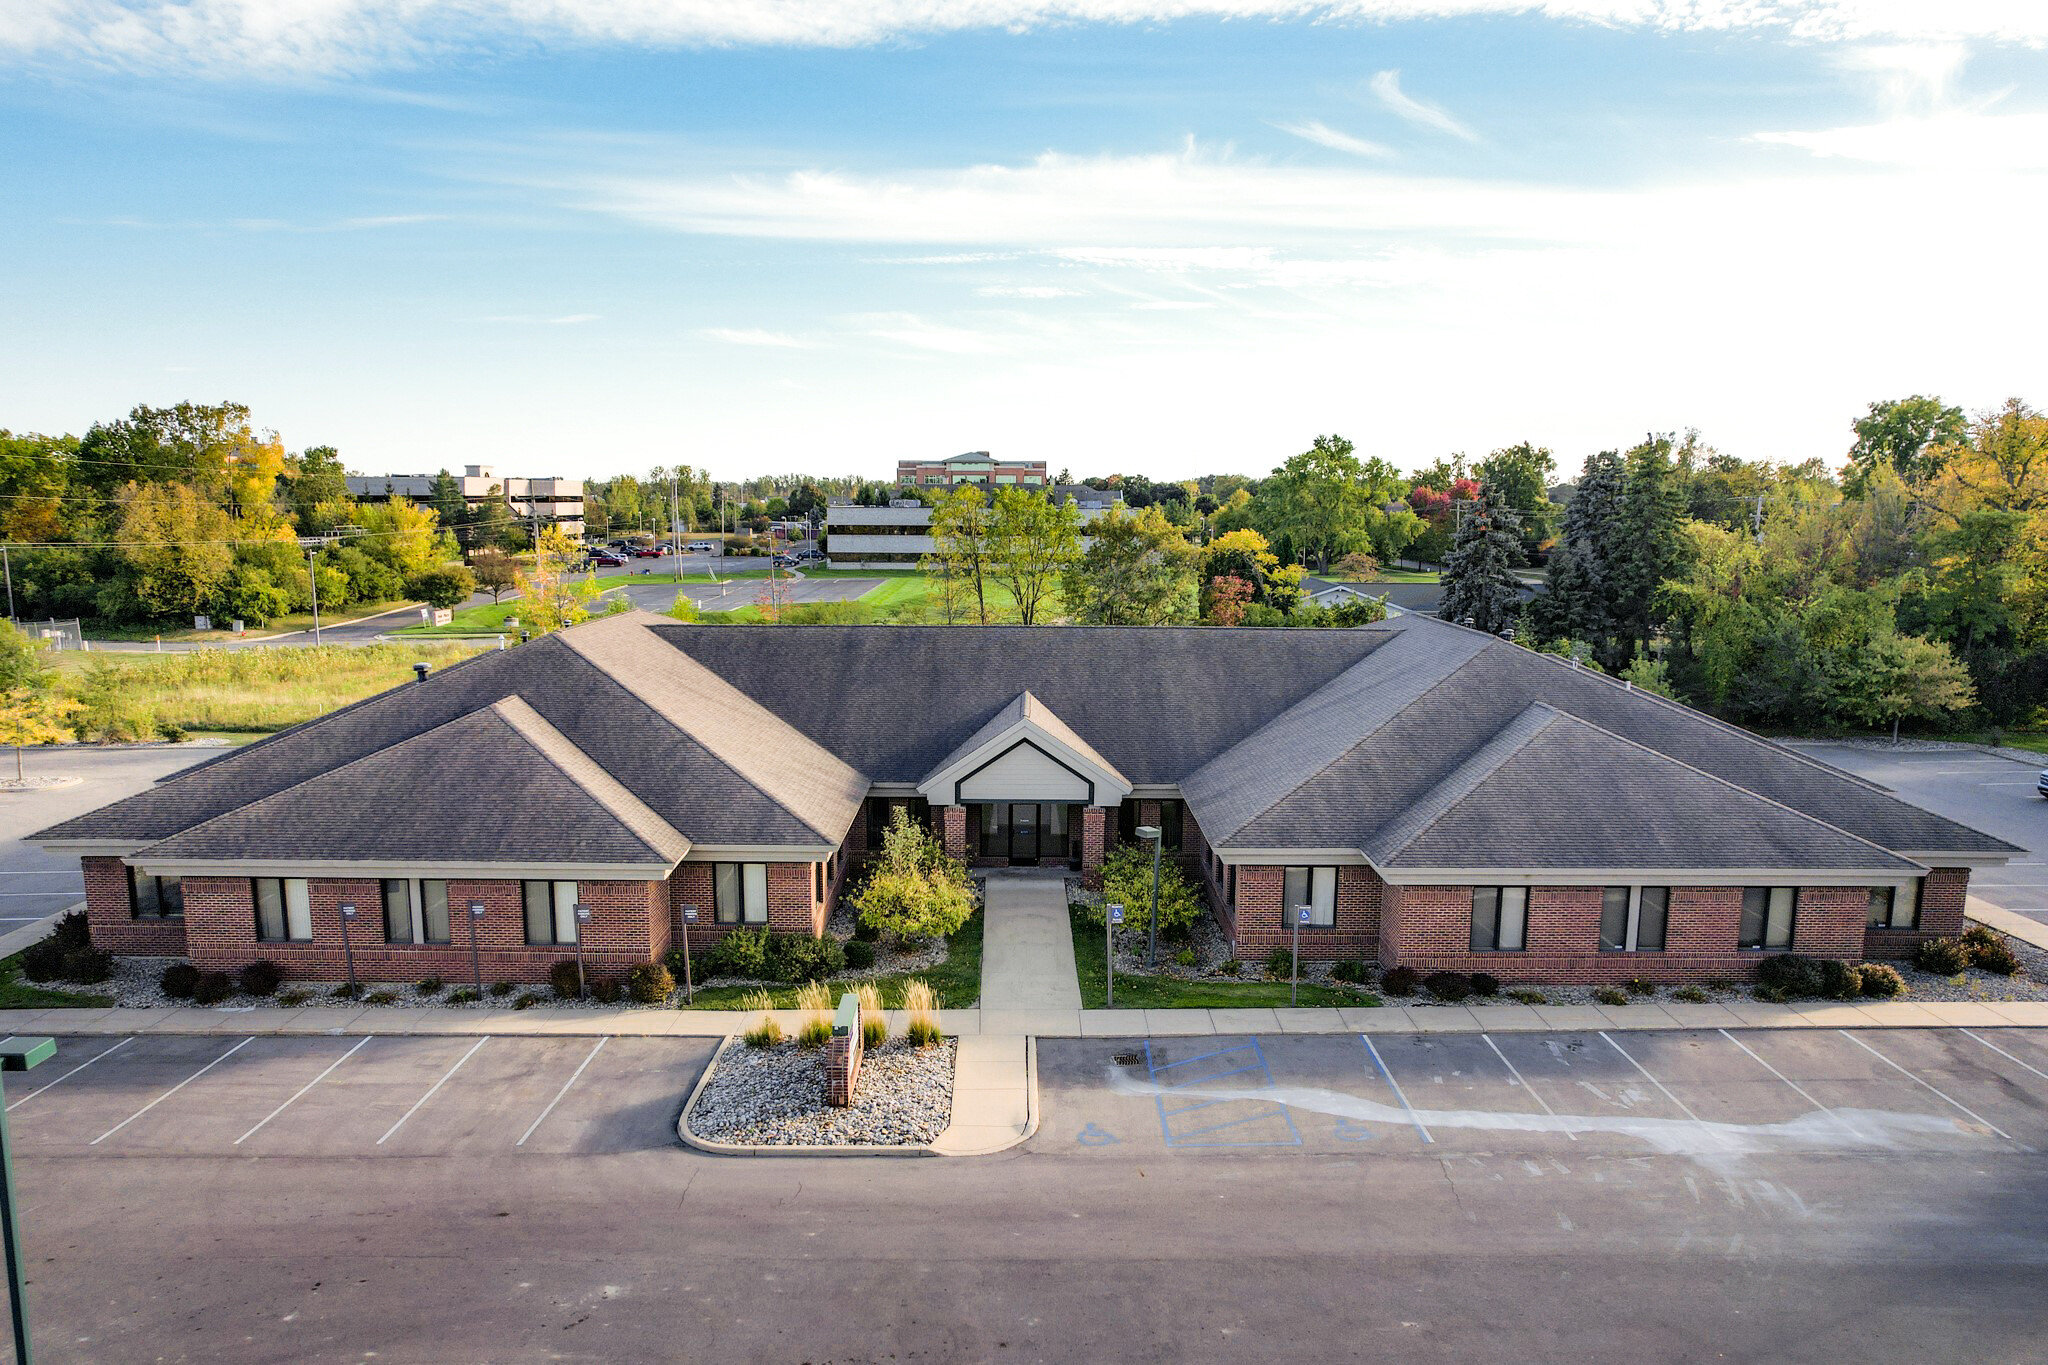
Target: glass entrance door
x,y
1024,825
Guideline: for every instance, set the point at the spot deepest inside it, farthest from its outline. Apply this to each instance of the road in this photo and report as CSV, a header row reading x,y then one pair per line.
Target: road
x,y
35,884
1817,1196
1982,790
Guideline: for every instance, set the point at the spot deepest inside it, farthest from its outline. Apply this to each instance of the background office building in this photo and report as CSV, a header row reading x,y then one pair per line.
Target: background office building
x,y
976,467
553,501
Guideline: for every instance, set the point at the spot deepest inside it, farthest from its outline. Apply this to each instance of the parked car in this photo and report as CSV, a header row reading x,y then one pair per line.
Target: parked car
x,y
784,561
702,547
664,549
810,554
647,552
2041,782
606,559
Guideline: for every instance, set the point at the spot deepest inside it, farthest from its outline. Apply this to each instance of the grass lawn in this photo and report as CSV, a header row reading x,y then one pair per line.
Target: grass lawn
x,y
1407,576
17,994
1165,992
956,981
2012,739
488,619
278,625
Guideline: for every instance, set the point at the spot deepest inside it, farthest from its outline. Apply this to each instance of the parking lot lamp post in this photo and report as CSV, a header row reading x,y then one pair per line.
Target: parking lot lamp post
x,y
689,918
476,962
582,918
348,952
16,1054
1150,833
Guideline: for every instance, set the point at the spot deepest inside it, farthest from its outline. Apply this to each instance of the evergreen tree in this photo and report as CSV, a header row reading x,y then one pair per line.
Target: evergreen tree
x,y
1580,604
1649,547
1480,587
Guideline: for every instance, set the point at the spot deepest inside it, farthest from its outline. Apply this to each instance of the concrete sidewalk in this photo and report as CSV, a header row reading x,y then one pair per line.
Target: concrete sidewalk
x,y
1027,947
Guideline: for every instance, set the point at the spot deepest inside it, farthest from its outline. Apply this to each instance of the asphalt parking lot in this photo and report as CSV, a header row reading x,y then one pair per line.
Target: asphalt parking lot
x,y
366,1097
1711,1095
745,592
1996,795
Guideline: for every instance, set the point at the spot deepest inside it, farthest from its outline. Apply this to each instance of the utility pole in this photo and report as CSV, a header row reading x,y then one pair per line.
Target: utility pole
x,y
8,569
311,545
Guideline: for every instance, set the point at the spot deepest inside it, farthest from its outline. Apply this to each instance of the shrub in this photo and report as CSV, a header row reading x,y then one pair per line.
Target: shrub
x,y
742,953
1720,983
1880,981
1230,967
1279,964
348,990
799,957
767,1033
1771,995
1185,957
860,954
43,960
1840,980
1791,974
502,988
1451,986
923,1031
815,1031
913,889
1400,980
528,1000
1127,879
1995,957
606,990
865,933
1484,983
211,988
92,964
261,977
432,985
1942,956
1639,986
464,996
293,998
649,983
1351,971
1523,995
563,976
73,930
874,1030
1692,995
381,998
1607,995
1980,936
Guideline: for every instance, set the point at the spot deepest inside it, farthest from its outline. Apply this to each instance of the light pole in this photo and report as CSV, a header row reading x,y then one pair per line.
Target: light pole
x,y
689,918
348,952
582,918
1150,833
476,963
311,545
16,1054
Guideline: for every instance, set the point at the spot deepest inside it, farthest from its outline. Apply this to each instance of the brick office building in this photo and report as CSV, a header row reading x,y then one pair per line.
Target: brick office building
x,y
1434,797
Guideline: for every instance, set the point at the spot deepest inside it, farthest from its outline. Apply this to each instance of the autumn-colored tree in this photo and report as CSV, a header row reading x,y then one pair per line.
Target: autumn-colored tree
x,y
552,596
177,546
1229,597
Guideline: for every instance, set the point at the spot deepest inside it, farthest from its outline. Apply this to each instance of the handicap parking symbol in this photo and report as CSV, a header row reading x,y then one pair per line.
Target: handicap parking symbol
x,y
1091,1136
1348,1131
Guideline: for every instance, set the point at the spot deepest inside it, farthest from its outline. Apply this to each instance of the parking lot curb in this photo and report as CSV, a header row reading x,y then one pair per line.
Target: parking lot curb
x,y
703,1144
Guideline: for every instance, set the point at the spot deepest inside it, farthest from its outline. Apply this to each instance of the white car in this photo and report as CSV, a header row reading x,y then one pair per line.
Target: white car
x,y
2041,782
701,547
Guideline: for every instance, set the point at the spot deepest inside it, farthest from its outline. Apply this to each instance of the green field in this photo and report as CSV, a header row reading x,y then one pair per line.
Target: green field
x,y
1166,992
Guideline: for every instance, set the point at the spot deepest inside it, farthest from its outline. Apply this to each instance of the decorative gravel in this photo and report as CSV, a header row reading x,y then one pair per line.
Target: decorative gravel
x,y
775,1097
136,984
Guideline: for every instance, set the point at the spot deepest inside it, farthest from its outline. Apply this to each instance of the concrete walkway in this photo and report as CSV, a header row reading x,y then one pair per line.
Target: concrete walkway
x,y
1027,948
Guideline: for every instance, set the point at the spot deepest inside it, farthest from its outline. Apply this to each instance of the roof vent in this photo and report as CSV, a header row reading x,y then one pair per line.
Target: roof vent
x,y
420,670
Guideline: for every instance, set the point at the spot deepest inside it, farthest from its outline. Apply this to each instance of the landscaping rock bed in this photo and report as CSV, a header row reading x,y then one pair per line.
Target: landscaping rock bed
x,y
137,983
775,1097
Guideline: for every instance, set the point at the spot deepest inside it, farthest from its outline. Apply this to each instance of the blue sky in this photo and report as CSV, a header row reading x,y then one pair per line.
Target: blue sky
x,y
1163,236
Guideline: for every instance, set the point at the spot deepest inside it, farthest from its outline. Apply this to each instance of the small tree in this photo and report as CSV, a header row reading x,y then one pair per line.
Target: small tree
x,y
1229,596
448,586
1358,567
913,889
554,598
1480,587
1127,880
495,572
1915,678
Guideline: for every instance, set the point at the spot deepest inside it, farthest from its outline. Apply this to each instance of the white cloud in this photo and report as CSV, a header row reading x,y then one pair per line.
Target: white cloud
x,y
1386,86
1026,291
1960,141
755,336
237,37
1323,135
574,319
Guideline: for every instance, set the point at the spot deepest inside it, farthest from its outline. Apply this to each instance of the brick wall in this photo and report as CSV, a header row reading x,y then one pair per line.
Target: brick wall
x,y
220,920
1257,924
1944,895
842,1067
794,906
1095,829
952,826
113,923
1429,928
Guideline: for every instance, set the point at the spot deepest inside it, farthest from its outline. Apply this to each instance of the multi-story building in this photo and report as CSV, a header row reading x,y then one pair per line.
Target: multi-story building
x,y
552,501
976,467
901,533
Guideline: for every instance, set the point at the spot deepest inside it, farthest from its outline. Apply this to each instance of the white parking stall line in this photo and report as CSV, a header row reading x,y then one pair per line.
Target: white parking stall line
x,y
2007,1055
1924,1085
436,1086
1661,1088
1773,1070
68,1075
302,1090
1413,1117
563,1091
172,1091
1524,1084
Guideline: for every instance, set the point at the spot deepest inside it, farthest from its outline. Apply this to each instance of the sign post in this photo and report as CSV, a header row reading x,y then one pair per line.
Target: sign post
x,y
348,914
1109,923
1301,914
582,918
476,964
689,918
16,1054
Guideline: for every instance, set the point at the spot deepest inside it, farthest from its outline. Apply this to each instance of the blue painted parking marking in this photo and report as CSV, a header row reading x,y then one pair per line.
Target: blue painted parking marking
x,y
1231,1114
1091,1136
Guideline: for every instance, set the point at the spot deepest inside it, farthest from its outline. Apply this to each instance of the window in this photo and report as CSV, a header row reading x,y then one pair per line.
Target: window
x,y
155,897
433,907
1315,887
550,911
1127,822
1767,916
1500,919
742,893
284,909
1169,823
1895,907
818,875
1633,918
880,811
397,910
415,911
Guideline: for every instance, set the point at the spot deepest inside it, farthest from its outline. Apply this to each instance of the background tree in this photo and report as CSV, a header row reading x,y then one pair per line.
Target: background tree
x,y
963,547
551,595
450,585
1317,500
495,572
1138,570
1914,679
1033,541
1648,547
315,484
177,547
1905,435
1227,599
1480,587
1519,476
1581,602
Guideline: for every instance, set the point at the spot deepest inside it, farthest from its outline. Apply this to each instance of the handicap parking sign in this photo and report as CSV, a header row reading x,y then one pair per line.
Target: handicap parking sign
x,y
690,914
1116,914
1301,914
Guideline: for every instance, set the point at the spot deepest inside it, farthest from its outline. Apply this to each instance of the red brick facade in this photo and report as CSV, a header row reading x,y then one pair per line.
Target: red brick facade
x,y
1258,923
1095,829
843,1056
952,825
113,922
1944,895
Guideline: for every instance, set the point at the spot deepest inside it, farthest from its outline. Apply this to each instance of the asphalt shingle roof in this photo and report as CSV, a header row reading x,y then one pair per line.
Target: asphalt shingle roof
x,y
1024,706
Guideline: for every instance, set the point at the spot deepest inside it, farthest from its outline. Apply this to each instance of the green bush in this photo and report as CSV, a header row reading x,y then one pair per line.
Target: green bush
x,y
1840,980
502,988
865,933
1352,971
815,1031
1127,879
1639,986
860,954
874,1029
1771,995
381,998
606,990
1185,957
211,988
348,990
1880,981
564,977
1522,995
1691,995
799,957
1448,986
73,930
1230,966
1607,995
1400,980
923,1031
464,996
1980,936
767,1033
913,890
293,998
649,983
527,1000
261,977
1484,983
1997,957
178,980
741,952
1279,964
91,965
43,960
1797,977
431,985
1942,956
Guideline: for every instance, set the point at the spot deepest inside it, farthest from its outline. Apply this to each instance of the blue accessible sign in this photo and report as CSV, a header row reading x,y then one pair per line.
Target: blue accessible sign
x,y
1116,914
